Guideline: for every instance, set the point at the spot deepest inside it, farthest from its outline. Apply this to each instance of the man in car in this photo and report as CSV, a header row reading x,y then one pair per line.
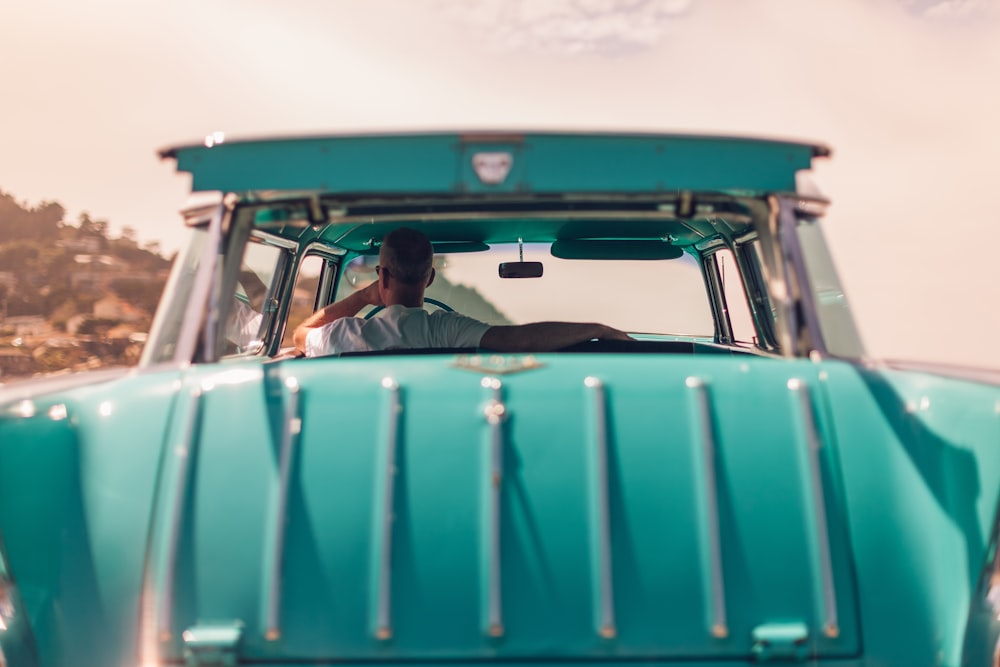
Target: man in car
x,y
405,271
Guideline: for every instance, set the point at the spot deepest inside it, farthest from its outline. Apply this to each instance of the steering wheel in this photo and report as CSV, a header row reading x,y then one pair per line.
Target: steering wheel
x,y
434,302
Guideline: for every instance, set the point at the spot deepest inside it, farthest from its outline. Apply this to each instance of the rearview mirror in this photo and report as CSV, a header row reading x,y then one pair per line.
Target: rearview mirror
x,y
520,269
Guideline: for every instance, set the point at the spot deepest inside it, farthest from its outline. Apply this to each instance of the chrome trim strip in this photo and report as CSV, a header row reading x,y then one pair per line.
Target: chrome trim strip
x,y
289,439
711,539
271,239
186,450
601,507
496,414
387,482
827,592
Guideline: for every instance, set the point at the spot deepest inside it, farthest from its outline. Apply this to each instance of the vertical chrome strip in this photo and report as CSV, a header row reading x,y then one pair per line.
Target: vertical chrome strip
x,y
201,291
289,438
827,592
713,580
383,583
602,520
496,414
186,450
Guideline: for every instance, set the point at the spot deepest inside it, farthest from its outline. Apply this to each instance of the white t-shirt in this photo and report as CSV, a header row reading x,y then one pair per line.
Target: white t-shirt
x,y
243,326
395,328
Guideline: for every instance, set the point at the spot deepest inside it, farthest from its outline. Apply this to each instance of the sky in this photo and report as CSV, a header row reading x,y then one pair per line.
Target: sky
x,y
904,91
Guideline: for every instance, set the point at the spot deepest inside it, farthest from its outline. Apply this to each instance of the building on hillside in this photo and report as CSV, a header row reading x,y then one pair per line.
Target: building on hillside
x,y
87,245
95,272
115,308
27,325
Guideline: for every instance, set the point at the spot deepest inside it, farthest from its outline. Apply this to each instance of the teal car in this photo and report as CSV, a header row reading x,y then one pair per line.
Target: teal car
x,y
738,484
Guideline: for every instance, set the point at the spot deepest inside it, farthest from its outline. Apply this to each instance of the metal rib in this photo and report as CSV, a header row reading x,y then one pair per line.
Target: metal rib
x,y
827,594
496,414
186,450
383,584
290,436
606,627
714,583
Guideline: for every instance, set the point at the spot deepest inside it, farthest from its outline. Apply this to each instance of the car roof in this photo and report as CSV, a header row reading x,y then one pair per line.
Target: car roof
x,y
469,163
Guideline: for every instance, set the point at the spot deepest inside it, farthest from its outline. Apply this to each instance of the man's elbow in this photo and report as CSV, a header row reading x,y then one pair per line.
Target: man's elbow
x,y
299,337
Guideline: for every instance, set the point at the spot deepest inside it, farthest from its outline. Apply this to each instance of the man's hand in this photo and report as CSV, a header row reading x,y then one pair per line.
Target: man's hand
x,y
372,295
610,333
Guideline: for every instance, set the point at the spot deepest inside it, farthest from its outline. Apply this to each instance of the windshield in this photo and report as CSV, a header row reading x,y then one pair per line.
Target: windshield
x,y
654,297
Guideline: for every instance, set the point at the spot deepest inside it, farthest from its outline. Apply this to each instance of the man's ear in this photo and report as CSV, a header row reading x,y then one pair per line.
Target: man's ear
x,y
383,278
431,279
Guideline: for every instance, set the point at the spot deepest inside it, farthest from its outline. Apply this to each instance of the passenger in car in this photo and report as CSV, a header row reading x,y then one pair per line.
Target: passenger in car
x,y
405,271
245,317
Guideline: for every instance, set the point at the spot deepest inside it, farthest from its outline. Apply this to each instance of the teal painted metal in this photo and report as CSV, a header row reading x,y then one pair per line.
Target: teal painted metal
x,y
213,645
546,519
78,467
909,468
542,163
920,459
780,641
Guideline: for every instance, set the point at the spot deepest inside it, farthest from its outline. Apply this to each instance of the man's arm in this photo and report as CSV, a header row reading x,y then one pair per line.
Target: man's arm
x,y
349,306
545,336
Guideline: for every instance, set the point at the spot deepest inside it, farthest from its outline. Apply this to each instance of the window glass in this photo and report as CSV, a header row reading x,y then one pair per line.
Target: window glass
x,y
253,304
650,298
737,306
767,316
304,295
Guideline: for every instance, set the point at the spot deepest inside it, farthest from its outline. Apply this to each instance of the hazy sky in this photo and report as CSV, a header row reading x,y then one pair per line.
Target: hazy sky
x,y
905,91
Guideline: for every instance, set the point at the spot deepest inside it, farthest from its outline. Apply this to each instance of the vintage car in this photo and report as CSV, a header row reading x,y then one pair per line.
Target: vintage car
x,y
737,484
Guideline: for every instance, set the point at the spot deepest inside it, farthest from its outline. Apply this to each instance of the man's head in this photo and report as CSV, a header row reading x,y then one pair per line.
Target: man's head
x,y
408,255
405,259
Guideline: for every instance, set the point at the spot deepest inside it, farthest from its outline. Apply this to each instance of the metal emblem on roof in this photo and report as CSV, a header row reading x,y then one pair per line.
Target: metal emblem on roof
x,y
492,168
496,364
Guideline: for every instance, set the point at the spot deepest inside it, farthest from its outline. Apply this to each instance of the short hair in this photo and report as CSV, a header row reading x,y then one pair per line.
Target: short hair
x,y
408,254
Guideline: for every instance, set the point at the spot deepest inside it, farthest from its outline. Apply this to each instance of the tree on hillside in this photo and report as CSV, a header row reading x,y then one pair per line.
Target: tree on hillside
x,y
18,222
89,227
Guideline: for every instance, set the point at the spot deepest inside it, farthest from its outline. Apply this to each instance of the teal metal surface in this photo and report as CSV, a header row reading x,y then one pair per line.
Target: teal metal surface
x,y
780,641
542,163
78,466
213,644
907,471
564,580
920,458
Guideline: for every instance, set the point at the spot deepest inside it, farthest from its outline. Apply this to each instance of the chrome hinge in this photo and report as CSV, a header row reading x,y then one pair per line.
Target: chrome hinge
x,y
213,644
780,641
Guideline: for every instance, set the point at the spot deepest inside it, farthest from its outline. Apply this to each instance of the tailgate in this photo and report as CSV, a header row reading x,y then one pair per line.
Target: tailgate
x,y
597,508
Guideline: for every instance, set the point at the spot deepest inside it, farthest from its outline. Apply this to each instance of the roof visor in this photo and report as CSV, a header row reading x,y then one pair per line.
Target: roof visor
x,y
420,164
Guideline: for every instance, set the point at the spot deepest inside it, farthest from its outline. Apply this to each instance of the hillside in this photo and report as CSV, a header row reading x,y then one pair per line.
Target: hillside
x,y
71,296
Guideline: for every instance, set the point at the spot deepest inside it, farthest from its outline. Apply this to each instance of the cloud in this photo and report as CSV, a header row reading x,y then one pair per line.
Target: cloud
x,y
608,27
949,9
